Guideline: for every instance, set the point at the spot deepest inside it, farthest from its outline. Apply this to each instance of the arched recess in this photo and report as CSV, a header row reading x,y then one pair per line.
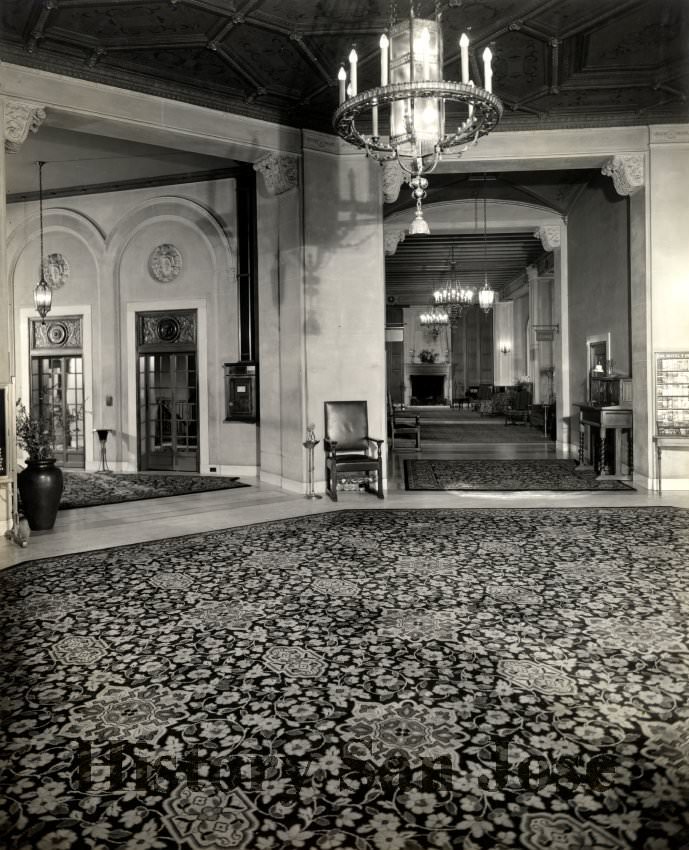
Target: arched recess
x,y
211,292
80,296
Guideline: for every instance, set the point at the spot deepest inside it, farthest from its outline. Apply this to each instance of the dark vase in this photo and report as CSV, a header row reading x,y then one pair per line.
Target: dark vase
x,y
40,488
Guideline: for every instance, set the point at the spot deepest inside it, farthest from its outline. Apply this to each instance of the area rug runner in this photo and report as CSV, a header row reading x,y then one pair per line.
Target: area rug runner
x,y
489,432
88,489
409,679
491,474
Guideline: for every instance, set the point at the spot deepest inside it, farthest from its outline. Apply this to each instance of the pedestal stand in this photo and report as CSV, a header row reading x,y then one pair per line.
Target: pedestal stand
x,y
103,439
310,445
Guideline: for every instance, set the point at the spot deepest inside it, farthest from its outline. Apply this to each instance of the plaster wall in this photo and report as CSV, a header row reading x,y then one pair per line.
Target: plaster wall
x,y
669,215
599,283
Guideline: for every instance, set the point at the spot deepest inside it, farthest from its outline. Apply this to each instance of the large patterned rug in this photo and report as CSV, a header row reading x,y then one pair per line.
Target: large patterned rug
x,y
418,680
492,474
87,489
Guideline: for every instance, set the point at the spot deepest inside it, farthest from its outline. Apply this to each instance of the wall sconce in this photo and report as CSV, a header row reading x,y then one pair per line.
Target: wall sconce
x,y
505,348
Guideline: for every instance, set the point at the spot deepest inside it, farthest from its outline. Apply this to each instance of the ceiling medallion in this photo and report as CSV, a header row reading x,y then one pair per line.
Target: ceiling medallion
x,y
403,118
165,263
55,270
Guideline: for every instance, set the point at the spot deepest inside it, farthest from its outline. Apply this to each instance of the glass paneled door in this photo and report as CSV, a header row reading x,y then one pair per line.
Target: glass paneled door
x,y
57,392
168,411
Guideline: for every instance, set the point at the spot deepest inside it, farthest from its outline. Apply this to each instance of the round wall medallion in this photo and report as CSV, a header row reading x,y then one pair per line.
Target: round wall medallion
x,y
165,263
55,270
168,329
56,333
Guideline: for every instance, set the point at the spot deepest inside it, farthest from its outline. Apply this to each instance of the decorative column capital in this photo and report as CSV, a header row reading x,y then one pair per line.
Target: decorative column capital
x,y
549,234
21,118
393,177
279,172
391,239
627,173
531,270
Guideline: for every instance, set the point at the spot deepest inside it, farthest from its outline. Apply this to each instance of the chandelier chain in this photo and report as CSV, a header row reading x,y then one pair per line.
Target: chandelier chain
x,y
40,208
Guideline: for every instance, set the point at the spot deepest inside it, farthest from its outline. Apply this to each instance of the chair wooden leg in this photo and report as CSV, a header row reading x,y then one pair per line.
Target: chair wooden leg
x,y
329,489
333,482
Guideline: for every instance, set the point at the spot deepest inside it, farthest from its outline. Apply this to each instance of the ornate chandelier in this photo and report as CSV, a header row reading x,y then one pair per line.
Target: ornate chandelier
x,y
42,294
435,321
452,295
412,130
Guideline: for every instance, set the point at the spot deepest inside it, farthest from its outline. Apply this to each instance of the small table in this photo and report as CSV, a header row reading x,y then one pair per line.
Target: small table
x,y
679,441
611,418
103,439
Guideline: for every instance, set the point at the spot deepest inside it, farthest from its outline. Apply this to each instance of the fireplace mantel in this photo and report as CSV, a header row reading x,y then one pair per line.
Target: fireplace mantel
x,y
427,368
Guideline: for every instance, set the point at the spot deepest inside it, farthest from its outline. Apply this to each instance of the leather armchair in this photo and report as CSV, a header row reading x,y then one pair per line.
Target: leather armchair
x,y
349,448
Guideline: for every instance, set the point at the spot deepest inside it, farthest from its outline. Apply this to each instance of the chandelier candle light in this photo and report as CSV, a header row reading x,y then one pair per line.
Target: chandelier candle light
x,y
412,86
434,320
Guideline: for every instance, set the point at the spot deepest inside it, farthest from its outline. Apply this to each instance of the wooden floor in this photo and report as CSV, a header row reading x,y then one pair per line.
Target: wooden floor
x,y
135,522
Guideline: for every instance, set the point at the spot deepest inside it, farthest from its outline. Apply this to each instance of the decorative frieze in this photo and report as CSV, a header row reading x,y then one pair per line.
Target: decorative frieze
x,y
393,177
21,118
627,173
391,239
165,263
64,332
279,172
174,328
549,234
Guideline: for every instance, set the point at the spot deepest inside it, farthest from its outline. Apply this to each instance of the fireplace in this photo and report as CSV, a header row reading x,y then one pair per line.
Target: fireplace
x,y
427,389
427,383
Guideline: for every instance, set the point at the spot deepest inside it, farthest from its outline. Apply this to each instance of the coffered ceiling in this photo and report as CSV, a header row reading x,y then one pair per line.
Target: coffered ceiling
x,y
557,63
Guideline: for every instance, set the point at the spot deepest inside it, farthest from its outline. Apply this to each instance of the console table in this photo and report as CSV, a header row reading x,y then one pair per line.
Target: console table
x,y
605,419
668,442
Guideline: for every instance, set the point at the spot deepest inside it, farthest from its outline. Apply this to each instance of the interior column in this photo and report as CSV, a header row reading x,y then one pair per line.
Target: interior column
x,y
344,282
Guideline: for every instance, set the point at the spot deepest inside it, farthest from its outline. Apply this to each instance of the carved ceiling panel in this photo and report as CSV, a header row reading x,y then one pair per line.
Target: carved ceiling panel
x,y
634,44
567,17
119,24
568,63
275,58
182,64
522,62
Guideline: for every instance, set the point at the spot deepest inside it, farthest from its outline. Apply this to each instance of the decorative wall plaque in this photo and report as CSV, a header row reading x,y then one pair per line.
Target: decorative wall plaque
x,y
64,332
174,328
56,270
165,263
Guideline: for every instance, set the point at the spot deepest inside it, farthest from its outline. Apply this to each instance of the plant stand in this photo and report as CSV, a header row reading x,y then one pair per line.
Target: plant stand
x,y
310,445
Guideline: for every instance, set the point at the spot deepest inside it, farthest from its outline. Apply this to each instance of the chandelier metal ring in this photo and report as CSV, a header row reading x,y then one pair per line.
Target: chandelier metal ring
x,y
486,113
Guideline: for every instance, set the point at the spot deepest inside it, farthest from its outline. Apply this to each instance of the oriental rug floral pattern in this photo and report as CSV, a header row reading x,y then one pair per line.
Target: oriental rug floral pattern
x,y
88,489
491,474
362,680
